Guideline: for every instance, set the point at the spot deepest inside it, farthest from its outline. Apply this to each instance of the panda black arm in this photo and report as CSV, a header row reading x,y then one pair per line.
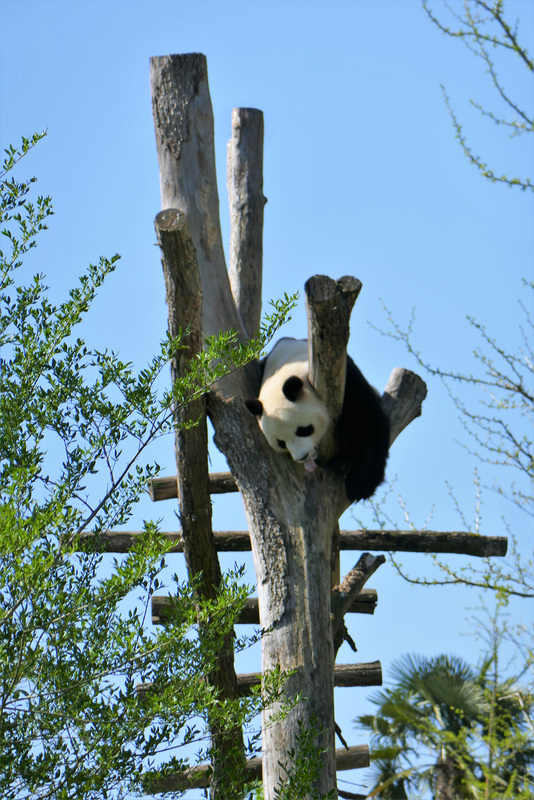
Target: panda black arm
x,y
261,364
363,436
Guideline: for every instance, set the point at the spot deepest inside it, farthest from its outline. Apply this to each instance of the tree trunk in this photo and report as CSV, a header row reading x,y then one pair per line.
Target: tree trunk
x,y
291,514
184,301
244,179
447,779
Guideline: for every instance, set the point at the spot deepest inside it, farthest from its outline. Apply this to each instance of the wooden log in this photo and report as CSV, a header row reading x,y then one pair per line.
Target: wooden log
x,y
244,180
183,124
329,304
402,400
166,487
292,518
352,757
363,603
472,544
351,586
365,674
184,302
200,777
291,515
345,675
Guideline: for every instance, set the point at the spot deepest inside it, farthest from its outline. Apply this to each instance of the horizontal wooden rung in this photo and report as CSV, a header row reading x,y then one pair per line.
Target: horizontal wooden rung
x,y
402,541
345,675
364,603
166,488
199,777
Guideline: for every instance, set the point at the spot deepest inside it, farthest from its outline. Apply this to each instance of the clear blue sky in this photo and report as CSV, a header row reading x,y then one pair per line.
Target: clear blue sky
x,y
363,176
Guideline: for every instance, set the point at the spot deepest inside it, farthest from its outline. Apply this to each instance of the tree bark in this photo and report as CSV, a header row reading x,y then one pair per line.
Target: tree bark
x,y
329,305
291,514
166,488
345,675
183,122
472,544
447,778
184,301
244,180
402,400
200,777
290,520
363,602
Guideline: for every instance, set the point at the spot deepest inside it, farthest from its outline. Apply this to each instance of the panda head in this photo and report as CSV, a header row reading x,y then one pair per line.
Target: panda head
x,y
292,418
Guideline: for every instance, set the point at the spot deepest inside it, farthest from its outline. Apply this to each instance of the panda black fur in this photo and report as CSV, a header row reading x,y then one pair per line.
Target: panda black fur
x,y
294,419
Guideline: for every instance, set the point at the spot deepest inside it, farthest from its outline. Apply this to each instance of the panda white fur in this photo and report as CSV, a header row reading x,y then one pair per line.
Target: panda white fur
x,y
294,419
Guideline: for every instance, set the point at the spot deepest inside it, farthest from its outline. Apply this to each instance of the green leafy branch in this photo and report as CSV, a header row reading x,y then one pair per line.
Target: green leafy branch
x,y
72,723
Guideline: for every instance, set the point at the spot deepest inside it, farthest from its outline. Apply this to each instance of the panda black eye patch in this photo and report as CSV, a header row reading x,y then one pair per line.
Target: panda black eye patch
x,y
304,431
282,445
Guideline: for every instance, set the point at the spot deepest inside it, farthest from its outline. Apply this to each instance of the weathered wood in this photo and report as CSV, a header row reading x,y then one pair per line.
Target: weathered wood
x,y
402,400
345,675
199,777
363,603
472,544
365,674
291,514
335,564
352,758
291,519
350,587
458,542
166,487
183,124
328,306
244,180
294,590
184,302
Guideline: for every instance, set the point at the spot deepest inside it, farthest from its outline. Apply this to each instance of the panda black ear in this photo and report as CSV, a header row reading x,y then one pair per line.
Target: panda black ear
x,y
292,388
254,406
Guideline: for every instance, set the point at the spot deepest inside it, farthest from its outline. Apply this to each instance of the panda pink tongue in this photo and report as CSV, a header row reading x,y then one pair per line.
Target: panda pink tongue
x,y
310,465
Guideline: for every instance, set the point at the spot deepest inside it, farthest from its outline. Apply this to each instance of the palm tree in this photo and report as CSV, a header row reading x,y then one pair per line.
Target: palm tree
x,y
431,730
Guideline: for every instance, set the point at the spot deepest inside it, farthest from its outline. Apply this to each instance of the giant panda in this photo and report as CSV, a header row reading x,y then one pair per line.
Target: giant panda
x,y
294,419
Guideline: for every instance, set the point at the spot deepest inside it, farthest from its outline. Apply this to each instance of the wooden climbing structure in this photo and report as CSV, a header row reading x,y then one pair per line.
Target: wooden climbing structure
x,y
292,516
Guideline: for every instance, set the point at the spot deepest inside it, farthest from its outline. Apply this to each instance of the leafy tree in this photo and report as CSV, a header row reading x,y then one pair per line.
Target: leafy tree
x,y
75,425
453,730
482,26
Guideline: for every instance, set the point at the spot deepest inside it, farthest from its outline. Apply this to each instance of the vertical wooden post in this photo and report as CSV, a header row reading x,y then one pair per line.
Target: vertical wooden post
x,y
244,179
184,301
183,121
